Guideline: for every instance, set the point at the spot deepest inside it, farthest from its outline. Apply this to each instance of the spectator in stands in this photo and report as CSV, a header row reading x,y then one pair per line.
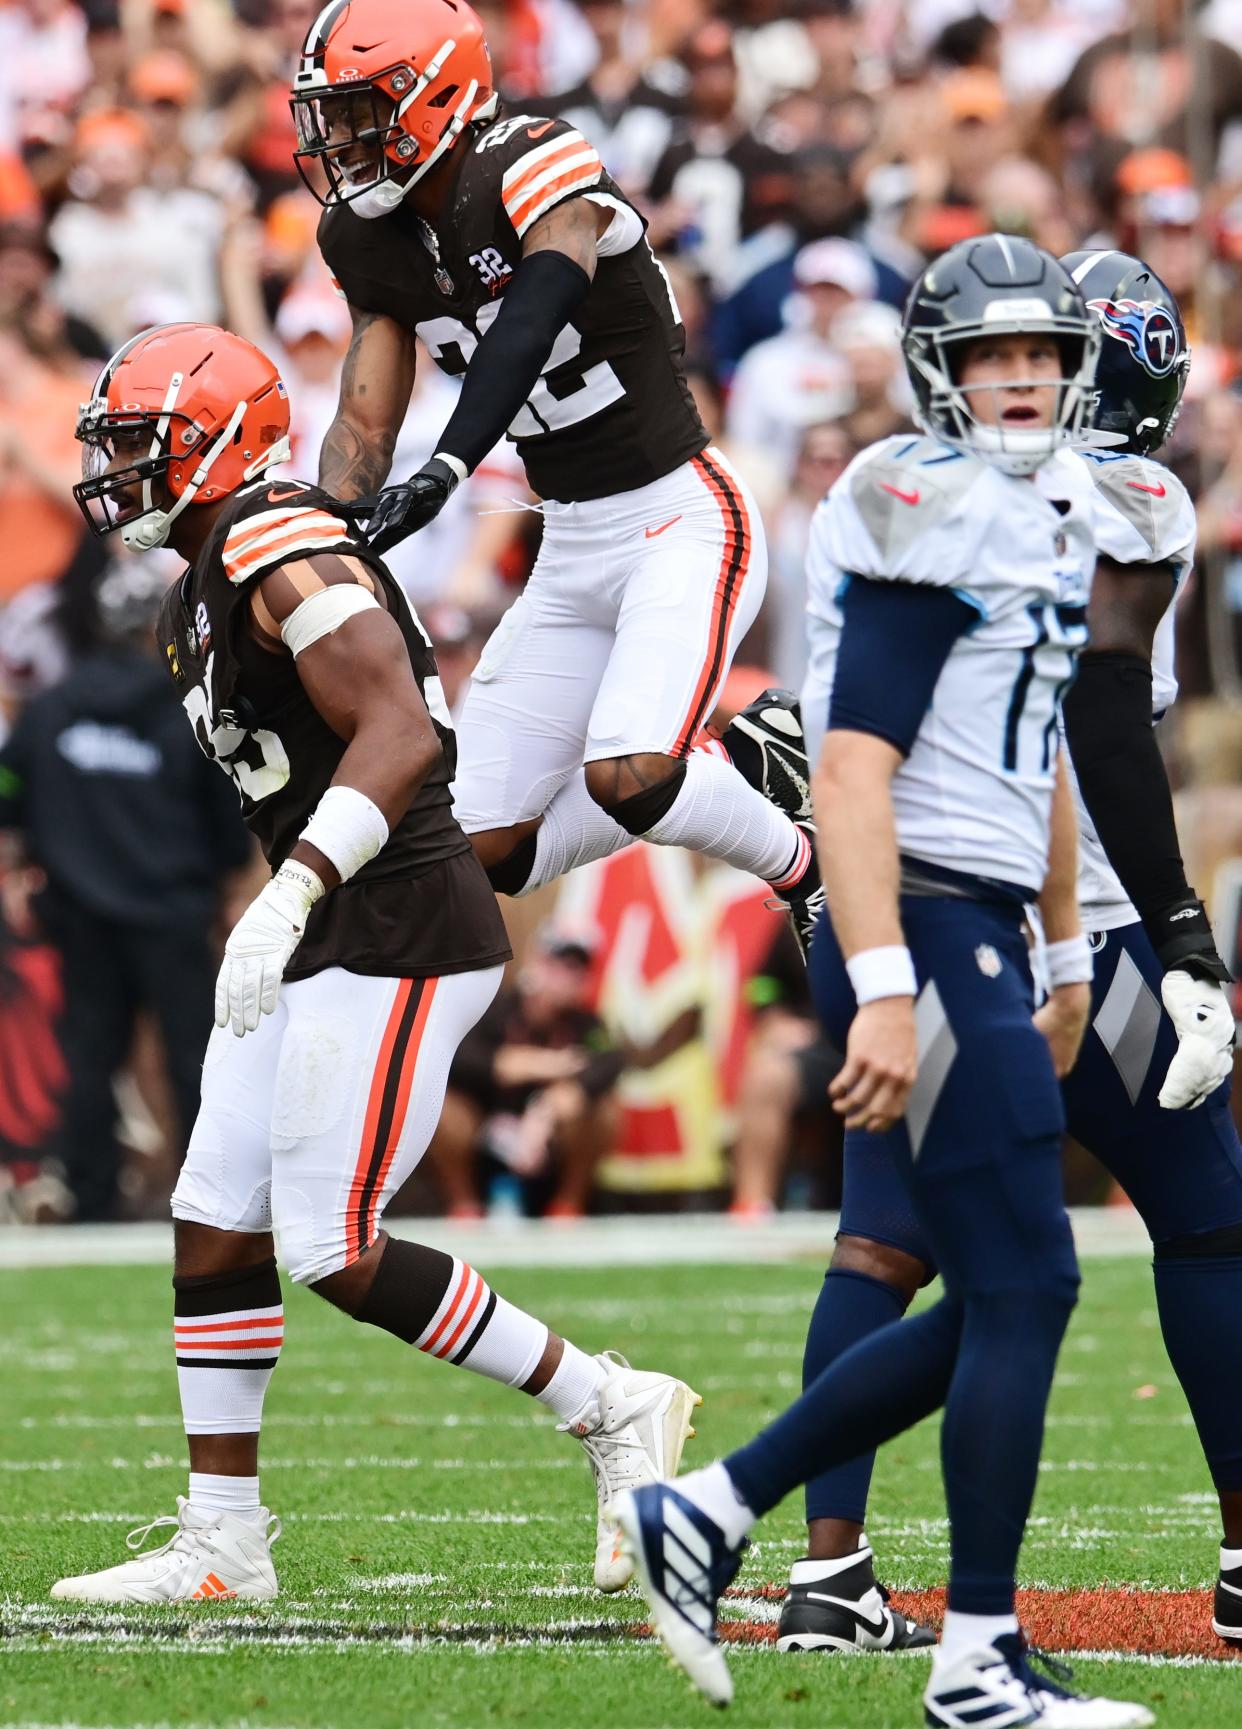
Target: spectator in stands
x,y
137,834
822,455
798,378
530,1089
40,460
625,105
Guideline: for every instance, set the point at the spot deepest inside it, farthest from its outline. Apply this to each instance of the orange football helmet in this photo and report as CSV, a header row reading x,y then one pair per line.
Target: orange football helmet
x,y
188,405
384,89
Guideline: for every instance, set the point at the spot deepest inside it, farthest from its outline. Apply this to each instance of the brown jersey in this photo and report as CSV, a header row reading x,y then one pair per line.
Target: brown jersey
x,y
423,905
612,410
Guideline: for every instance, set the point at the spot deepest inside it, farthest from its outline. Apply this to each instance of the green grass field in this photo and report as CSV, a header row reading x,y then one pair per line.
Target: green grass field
x,y
435,1562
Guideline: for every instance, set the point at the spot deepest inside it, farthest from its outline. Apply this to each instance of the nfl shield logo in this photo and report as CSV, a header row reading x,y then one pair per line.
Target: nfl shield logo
x,y
988,961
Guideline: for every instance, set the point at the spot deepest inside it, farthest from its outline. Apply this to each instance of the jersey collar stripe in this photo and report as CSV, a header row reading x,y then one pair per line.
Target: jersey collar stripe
x,y
540,156
579,180
734,563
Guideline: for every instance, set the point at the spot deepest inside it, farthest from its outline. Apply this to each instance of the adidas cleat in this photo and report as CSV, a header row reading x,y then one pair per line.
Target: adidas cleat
x,y
683,1565
837,1606
1227,1605
204,1561
998,1687
766,745
643,1421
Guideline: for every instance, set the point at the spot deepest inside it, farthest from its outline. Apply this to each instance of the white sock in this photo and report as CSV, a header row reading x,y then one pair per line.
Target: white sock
x,y
1229,1558
714,1490
963,1634
211,1495
716,813
574,1388
808,1572
574,832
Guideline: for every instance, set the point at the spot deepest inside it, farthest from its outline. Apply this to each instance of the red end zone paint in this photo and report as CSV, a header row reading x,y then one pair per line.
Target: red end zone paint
x,y
1148,1623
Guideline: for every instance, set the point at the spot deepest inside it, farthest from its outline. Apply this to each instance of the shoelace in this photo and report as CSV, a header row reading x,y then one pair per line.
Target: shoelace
x,y
618,1464
1020,1656
137,1538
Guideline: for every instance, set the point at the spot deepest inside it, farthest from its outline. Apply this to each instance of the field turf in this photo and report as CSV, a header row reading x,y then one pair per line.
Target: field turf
x,y
435,1562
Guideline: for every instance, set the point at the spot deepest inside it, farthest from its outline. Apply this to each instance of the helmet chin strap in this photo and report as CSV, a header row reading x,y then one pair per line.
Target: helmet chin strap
x,y
144,533
385,195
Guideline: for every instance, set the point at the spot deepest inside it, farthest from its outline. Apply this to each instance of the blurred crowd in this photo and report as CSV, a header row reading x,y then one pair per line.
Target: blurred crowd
x,y
797,162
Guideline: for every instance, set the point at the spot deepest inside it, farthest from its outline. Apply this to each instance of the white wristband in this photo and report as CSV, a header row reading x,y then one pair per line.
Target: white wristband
x,y
454,462
347,828
886,972
1069,962
296,887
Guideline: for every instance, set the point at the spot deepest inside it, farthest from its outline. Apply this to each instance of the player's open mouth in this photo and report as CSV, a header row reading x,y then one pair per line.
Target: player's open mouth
x,y
1020,416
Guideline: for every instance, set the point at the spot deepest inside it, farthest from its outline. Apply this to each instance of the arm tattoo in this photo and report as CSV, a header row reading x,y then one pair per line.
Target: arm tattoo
x,y
573,228
354,462
351,466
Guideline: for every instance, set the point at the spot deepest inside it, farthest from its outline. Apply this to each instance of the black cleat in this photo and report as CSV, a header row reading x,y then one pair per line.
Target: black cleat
x,y
837,1606
766,745
804,902
1227,1606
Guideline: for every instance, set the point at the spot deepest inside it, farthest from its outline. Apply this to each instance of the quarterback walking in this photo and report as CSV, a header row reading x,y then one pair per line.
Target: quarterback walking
x,y
348,983
1149,1095
948,581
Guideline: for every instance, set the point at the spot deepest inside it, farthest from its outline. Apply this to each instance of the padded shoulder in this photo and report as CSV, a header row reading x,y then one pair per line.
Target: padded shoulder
x,y
1142,512
905,491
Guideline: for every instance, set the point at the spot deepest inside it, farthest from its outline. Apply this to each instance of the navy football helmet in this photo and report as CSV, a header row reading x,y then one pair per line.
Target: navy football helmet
x,y
998,284
1144,358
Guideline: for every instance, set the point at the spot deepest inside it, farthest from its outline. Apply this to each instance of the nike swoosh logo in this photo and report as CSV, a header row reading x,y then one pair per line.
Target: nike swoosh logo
x,y
650,533
905,497
877,1629
276,496
1156,491
538,131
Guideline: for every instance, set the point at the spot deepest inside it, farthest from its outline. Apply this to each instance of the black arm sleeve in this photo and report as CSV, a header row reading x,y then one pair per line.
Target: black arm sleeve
x,y
1121,774
896,639
546,288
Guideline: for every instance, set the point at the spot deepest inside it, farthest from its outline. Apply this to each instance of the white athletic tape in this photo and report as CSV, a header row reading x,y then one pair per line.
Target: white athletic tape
x,y
323,612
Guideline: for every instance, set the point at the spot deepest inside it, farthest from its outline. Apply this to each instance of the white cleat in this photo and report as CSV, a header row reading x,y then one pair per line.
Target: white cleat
x,y
684,1566
203,1561
643,1423
997,1687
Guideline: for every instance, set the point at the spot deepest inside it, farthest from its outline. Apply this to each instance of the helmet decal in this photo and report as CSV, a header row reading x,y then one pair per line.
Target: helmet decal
x,y
1147,330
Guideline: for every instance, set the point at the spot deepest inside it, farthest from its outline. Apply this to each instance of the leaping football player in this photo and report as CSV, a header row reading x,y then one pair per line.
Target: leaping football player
x,y
501,243
349,981
948,581
1149,1095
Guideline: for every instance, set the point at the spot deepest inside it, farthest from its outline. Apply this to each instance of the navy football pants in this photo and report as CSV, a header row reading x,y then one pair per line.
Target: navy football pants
x,y
1182,1170
978,1154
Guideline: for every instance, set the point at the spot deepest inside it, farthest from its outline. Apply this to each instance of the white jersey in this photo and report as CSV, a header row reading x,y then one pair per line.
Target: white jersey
x,y
974,795
1142,515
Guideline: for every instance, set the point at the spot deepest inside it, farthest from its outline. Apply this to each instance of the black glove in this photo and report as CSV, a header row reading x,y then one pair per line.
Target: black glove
x,y
400,511
1183,941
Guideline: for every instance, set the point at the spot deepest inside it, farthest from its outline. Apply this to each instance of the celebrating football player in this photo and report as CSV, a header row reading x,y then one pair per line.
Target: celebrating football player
x,y
502,243
1149,1095
346,985
948,581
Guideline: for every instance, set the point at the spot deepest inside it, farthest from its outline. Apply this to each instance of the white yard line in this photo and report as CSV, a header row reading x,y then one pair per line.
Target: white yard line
x,y
669,1239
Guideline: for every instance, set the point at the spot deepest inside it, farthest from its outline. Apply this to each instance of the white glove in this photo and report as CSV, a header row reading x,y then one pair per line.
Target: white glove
x,y
260,945
1203,1022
